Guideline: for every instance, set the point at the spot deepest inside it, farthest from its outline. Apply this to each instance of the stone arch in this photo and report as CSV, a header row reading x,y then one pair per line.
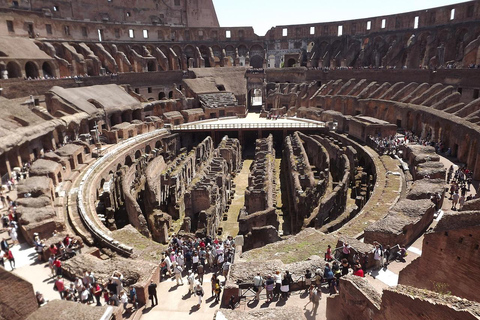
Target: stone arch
x,y
148,149
151,66
170,95
14,70
161,95
256,61
242,50
138,154
48,69
205,52
128,161
291,62
190,55
158,144
31,70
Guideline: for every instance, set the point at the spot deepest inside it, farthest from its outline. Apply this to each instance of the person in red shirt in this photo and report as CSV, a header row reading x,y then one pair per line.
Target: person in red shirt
x,y
53,250
60,287
97,293
58,266
358,271
10,258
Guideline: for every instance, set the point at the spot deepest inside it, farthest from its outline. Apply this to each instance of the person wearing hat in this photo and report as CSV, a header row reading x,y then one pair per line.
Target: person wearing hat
x,y
191,281
40,298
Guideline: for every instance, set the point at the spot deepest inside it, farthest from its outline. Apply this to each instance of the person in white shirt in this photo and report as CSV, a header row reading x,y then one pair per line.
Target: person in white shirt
x,y
257,285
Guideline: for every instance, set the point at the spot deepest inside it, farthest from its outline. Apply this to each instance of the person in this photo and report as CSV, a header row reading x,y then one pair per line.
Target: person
x,y
285,288
10,258
345,250
386,254
226,267
315,296
345,267
318,278
218,290
402,253
152,293
124,300
231,302
377,256
58,266
308,280
269,286
191,281
84,295
59,286
177,270
455,198
4,245
336,270
328,254
328,274
132,295
364,262
278,283
40,298
213,280
200,272
358,271
199,293
13,234
113,299
257,285
97,293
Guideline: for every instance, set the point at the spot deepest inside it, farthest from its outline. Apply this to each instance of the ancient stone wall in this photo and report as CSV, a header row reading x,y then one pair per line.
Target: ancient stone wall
x,y
449,257
358,297
301,184
261,185
17,298
210,191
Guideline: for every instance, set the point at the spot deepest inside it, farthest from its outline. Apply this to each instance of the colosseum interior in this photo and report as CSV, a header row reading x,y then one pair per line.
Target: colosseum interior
x,y
130,124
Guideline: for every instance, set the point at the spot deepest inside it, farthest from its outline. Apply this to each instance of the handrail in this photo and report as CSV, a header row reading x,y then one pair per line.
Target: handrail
x,y
272,125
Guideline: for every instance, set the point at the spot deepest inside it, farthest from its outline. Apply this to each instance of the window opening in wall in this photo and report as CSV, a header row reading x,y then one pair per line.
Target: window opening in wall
x,y
149,89
312,30
221,87
117,33
131,34
340,31
137,90
66,30
145,33
84,31
452,14
56,8
15,4
369,25
384,23
128,14
228,34
415,22
460,90
100,35
285,32
48,27
10,26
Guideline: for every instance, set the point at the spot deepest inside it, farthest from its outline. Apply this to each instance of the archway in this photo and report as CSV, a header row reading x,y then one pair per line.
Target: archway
x,y
291,62
161,95
138,154
128,161
31,70
48,71
14,70
256,62
151,66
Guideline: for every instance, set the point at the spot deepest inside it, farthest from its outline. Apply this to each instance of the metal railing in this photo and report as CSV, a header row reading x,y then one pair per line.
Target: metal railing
x,y
236,126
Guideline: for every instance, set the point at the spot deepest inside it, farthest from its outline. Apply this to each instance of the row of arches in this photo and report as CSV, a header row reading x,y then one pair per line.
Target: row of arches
x,y
30,69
